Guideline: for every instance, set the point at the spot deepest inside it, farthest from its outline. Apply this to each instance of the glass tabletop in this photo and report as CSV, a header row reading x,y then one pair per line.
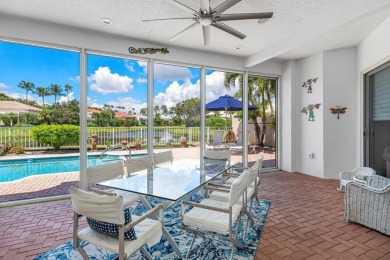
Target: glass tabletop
x,y
171,181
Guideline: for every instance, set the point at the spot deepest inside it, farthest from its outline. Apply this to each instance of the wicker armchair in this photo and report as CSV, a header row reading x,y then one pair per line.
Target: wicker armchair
x,y
369,204
347,177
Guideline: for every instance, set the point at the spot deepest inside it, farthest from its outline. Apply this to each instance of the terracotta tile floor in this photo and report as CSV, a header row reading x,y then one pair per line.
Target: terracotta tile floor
x,y
305,222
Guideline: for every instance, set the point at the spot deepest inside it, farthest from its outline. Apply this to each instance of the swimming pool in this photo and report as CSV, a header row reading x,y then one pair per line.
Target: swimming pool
x,y
11,170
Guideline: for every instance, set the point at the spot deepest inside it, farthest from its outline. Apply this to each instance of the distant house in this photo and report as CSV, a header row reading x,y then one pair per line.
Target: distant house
x,y
120,115
90,111
17,108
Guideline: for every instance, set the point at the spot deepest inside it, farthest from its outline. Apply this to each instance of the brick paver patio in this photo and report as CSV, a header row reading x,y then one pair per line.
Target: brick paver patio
x,y
305,222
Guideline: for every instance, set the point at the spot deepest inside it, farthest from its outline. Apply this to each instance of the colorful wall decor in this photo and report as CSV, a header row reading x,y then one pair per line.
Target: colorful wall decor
x,y
308,86
310,109
133,50
338,110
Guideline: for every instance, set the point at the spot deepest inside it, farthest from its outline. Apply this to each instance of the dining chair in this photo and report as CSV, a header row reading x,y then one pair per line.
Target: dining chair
x,y
162,157
106,172
109,209
218,157
252,185
137,164
216,217
237,170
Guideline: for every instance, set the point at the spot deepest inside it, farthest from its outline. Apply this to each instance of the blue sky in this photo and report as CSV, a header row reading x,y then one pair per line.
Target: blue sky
x,y
114,81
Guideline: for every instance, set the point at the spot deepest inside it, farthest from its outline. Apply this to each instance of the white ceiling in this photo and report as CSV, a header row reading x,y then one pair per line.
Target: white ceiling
x,y
297,29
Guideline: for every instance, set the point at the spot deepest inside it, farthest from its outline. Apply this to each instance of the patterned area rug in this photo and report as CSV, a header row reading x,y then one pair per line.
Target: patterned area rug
x,y
213,248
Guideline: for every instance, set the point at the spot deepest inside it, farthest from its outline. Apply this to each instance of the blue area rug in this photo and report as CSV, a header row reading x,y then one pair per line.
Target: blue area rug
x,y
210,249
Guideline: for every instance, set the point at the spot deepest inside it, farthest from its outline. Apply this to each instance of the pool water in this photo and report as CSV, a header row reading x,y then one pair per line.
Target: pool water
x,y
11,170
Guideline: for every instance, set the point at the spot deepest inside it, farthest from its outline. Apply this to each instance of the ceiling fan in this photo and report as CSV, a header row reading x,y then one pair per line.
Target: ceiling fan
x,y
206,17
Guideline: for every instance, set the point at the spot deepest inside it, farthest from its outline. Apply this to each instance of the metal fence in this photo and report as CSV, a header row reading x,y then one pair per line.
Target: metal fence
x,y
107,136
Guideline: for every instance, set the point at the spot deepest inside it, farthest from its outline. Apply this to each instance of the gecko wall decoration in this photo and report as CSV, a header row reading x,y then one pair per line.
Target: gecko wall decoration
x,y
133,50
308,86
310,109
338,110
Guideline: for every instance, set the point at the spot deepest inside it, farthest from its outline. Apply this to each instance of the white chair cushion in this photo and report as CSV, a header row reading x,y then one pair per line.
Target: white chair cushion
x,y
209,219
148,232
224,196
128,197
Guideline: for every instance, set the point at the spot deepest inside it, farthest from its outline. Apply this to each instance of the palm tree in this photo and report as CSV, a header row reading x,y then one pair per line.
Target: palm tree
x,y
68,88
28,86
260,91
56,91
42,92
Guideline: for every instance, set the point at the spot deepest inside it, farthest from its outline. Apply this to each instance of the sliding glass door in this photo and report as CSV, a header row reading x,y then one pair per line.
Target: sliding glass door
x,y
377,120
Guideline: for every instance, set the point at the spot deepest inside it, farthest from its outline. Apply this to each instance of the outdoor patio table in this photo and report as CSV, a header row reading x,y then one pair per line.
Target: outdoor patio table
x,y
172,182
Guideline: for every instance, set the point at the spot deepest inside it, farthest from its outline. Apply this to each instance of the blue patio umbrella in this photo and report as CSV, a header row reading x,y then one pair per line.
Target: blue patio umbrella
x,y
227,103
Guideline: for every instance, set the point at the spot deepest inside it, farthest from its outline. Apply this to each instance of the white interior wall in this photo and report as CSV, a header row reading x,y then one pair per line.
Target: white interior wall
x,y
310,133
339,90
287,114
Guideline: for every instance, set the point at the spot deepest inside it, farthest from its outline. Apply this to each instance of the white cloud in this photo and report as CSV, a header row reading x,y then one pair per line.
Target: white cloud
x,y
64,99
105,82
16,95
144,66
164,72
215,86
76,78
176,93
129,65
142,80
2,85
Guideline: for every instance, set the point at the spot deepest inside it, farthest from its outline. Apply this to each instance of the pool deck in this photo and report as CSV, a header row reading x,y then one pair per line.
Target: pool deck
x,y
47,185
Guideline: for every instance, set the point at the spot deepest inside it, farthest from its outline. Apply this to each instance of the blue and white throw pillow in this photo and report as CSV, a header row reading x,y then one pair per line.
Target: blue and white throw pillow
x,y
112,230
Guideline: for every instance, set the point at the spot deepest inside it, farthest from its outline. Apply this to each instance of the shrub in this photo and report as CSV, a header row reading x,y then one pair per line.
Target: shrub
x,y
56,135
2,151
17,150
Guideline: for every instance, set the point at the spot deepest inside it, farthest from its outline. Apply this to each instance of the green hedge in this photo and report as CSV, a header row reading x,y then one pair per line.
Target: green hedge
x,y
56,135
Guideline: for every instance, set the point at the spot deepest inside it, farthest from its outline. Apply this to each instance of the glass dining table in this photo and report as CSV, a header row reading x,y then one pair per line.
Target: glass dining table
x,y
170,183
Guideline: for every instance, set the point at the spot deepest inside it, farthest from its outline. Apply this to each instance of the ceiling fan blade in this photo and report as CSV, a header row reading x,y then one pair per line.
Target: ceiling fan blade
x,y
229,30
230,17
205,5
225,5
166,19
206,35
186,29
182,6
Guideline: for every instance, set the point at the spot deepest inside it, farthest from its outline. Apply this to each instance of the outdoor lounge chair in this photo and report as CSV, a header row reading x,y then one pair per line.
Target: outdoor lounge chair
x,y
109,209
238,146
217,140
369,204
107,172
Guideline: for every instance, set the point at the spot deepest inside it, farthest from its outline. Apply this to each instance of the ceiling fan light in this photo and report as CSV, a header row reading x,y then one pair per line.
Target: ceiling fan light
x,y
205,21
